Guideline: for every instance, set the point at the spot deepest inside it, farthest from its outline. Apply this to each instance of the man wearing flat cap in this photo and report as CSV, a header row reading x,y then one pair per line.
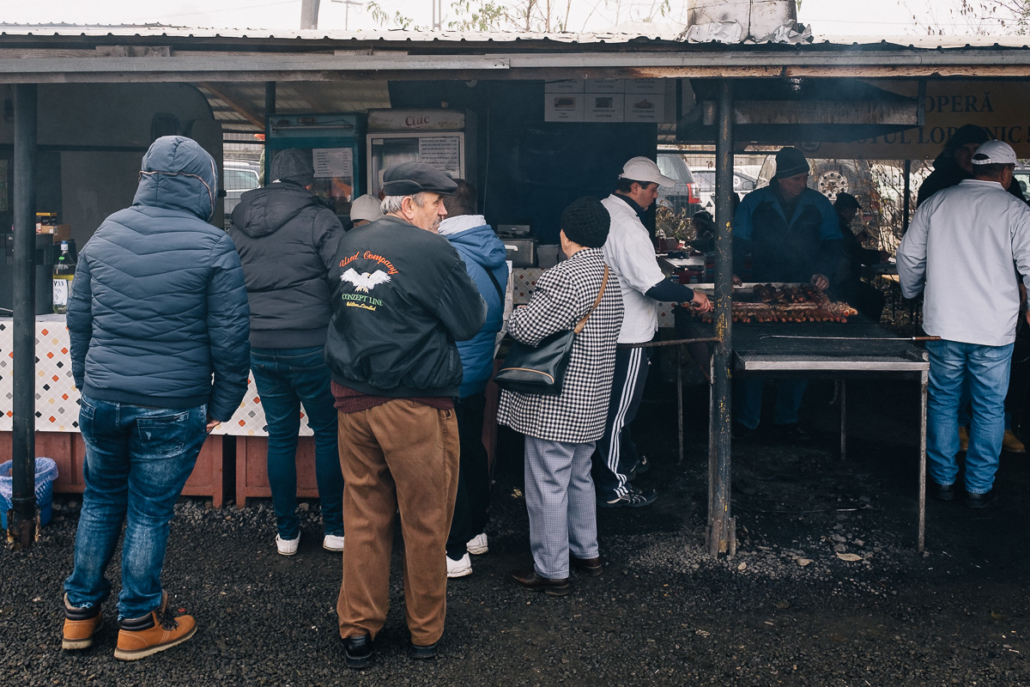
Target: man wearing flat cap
x,y
959,253
791,233
401,299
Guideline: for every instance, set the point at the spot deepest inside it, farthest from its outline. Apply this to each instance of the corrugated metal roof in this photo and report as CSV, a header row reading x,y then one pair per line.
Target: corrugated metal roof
x,y
662,33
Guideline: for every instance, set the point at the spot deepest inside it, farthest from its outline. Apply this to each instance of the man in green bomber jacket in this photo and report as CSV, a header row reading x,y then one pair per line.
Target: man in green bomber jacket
x,y
401,299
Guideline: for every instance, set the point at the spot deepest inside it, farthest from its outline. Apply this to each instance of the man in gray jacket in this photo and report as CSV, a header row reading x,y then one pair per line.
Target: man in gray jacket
x,y
287,239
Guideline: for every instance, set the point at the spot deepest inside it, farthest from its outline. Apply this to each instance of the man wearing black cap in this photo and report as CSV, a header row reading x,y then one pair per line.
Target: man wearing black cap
x,y
849,286
791,233
402,298
955,163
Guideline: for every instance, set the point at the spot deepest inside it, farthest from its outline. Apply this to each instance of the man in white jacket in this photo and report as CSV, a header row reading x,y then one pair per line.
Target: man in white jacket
x,y
960,250
630,254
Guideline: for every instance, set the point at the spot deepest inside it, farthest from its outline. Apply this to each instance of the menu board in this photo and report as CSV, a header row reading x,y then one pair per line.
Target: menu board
x,y
333,163
442,152
605,100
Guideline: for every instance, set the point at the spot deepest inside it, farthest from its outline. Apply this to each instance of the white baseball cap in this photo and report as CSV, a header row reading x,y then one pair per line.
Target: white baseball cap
x,y
645,169
994,153
365,208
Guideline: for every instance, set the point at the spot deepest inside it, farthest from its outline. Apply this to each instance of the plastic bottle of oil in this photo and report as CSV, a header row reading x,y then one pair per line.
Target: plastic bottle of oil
x,y
64,275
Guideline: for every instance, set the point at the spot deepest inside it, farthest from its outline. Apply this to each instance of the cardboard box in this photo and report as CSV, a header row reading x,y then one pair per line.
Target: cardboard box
x,y
60,232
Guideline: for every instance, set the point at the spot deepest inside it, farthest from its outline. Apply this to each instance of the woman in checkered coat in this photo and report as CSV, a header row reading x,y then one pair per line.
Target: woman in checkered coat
x,y
561,430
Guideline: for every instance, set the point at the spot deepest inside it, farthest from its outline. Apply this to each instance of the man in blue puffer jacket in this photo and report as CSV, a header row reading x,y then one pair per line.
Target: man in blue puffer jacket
x,y
484,257
159,325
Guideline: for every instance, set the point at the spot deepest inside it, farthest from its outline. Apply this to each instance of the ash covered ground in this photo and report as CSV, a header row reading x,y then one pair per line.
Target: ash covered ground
x,y
787,609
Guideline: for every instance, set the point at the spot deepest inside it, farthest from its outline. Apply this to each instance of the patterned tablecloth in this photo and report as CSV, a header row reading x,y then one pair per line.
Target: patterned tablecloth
x,y
57,399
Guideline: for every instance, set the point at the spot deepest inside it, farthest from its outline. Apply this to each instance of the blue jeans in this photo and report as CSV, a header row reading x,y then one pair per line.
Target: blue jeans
x,y
747,401
985,369
286,378
137,461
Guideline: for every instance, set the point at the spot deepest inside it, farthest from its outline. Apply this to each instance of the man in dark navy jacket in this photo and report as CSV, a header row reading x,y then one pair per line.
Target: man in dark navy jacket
x,y
158,327
791,233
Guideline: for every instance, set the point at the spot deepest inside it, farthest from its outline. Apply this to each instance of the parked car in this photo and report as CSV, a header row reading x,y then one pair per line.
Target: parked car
x,y
682,196
742,185
239,176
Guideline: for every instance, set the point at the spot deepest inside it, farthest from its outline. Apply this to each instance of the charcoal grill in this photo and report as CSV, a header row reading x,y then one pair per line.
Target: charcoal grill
x,y
858,349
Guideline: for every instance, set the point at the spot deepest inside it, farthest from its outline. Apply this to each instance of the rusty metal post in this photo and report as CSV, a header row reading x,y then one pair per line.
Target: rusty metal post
x,y
21,526
720,521
906,206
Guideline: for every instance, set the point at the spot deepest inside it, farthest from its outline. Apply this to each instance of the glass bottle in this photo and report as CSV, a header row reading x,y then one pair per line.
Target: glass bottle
x,y
64,275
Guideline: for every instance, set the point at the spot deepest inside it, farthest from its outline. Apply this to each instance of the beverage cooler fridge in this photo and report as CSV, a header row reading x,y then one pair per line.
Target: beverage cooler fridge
x,y
336,143
441,138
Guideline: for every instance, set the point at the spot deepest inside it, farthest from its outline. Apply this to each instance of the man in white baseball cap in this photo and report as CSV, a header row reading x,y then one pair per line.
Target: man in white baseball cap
x,y
630,254
959,252
365,209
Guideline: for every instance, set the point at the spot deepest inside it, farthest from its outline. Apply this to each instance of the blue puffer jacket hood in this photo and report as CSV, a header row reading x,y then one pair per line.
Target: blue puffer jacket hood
x,y
158,314
178,174
481,250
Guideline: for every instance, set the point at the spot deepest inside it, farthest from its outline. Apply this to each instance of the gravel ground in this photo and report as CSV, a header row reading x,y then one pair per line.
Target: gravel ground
x,y
786,610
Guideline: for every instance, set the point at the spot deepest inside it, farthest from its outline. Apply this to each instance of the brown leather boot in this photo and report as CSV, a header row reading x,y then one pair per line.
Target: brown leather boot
x,y
154,632
80,624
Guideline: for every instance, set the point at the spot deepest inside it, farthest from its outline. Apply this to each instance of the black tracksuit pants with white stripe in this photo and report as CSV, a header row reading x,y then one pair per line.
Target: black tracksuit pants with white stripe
x,y
616,453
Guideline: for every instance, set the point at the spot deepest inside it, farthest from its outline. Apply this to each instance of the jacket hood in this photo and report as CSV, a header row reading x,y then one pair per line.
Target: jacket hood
x,y
178,174
264,211
482,245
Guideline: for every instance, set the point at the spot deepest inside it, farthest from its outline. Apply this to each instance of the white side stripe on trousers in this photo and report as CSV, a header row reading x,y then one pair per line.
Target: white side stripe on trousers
x,y
625,400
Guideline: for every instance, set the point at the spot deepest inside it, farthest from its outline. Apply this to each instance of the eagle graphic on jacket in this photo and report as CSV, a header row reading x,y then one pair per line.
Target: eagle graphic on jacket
x,y
366,281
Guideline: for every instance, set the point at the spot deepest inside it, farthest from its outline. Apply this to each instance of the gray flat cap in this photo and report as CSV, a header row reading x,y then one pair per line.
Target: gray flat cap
x,y
410,178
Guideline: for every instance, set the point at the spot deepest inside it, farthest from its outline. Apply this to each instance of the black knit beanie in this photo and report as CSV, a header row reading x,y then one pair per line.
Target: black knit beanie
x,y
586,222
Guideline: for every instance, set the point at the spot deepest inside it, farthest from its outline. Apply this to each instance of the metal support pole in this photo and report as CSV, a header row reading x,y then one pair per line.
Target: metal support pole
x,y
720,522
843,419
924,381
269,98
309,14
908,196
679,400
21,525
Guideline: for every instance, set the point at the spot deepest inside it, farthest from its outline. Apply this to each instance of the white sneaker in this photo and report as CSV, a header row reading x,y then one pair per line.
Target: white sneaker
x,y
459,568
287,547
477,545
333,543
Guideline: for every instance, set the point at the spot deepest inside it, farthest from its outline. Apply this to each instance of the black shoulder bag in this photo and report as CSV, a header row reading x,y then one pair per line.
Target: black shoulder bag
x,y
541,369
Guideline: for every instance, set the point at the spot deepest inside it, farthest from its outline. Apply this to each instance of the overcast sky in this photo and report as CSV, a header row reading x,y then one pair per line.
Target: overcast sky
x,y
827,17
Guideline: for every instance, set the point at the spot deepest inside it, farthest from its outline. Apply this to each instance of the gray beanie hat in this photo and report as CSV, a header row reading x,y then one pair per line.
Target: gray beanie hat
x,y
294,166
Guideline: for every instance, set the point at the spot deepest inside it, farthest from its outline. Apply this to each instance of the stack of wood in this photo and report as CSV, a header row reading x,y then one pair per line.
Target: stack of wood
x,y
787,303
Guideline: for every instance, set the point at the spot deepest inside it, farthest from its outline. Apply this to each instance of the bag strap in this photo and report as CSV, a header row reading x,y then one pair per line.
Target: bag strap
x,y
497,284
582,323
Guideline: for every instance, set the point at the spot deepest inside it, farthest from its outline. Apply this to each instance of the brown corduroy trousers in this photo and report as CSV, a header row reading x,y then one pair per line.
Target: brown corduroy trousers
x,y
402,455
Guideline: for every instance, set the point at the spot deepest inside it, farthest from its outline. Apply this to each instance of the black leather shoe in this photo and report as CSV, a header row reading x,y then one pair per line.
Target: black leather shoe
x,y
790,432
588,566
942,492
530,580
742,432
977,501
423,652
357,651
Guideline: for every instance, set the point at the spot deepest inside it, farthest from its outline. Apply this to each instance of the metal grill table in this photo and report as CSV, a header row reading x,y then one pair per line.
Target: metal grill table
x,y
859,349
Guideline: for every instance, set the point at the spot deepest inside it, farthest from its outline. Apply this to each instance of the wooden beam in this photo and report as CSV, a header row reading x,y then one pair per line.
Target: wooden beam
x,y
237,102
